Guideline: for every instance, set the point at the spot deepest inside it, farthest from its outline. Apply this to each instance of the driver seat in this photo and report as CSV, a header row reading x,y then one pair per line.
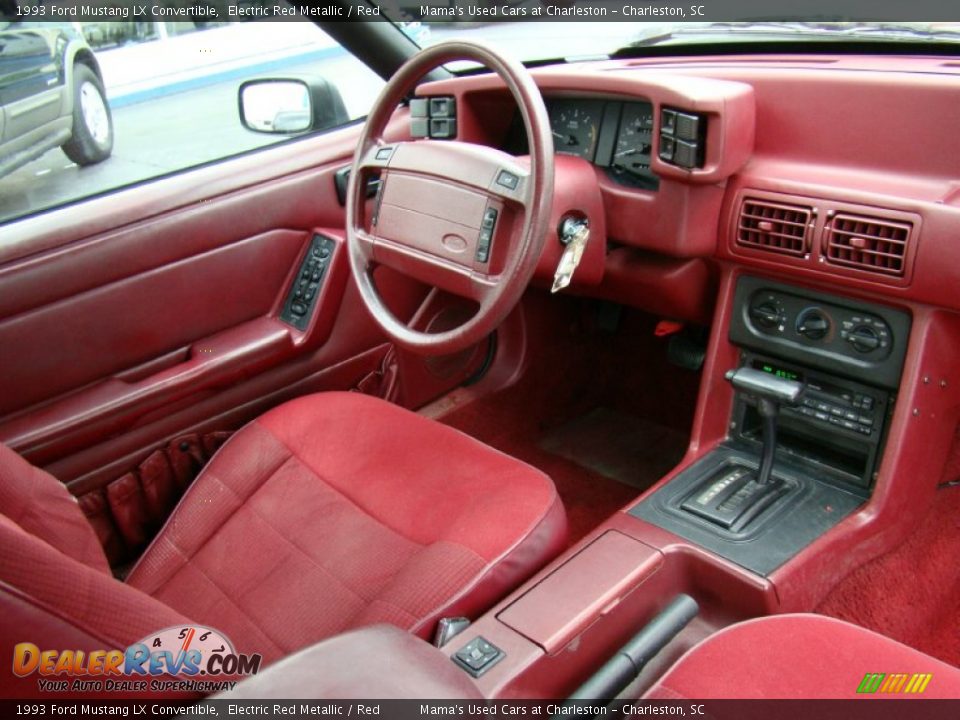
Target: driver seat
x,y
327,513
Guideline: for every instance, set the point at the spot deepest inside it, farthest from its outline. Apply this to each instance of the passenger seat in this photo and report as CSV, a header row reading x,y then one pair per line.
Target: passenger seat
x,y
804,656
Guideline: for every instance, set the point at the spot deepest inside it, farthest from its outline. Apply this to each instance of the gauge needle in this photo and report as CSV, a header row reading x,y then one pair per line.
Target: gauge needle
x,y
622,153
568,139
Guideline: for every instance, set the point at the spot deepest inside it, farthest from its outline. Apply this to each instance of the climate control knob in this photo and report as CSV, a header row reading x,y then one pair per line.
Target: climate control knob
x,y
813,324
766,315
864,338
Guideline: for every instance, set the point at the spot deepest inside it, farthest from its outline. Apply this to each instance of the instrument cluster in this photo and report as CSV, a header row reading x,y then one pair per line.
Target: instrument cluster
x,y
612,134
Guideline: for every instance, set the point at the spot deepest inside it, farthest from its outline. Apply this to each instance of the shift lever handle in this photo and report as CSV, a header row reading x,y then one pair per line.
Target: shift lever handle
x,y
770,392
764,385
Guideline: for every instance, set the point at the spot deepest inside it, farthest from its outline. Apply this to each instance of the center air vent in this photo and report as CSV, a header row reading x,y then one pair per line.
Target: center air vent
x,y
773,226
867,243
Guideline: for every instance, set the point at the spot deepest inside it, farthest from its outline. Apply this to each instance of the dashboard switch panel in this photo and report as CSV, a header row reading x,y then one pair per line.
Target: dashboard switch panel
x,y
303,294
486,234
860,340
433,117
683,138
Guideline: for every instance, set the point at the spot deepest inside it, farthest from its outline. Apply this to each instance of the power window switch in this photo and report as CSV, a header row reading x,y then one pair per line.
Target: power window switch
x,y
483,246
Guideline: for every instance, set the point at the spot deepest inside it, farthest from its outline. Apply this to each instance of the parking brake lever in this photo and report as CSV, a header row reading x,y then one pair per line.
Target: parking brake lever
x,y
769,393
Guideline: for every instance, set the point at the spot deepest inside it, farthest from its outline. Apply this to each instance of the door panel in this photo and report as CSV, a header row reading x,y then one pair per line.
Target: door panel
x,y
122,324
127,319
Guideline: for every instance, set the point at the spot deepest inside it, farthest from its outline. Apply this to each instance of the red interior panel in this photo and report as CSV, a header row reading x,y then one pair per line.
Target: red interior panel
x,y
142,316
582,590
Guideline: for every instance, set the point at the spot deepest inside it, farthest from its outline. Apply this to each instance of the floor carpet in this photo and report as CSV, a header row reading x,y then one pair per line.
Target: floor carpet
x,y
603,413
628,449
911,594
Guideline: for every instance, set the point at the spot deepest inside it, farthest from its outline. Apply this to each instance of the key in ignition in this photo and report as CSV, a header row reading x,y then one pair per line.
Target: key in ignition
x,y
574,234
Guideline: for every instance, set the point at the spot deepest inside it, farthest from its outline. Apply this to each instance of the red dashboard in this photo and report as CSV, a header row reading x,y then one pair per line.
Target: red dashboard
x,y
822,151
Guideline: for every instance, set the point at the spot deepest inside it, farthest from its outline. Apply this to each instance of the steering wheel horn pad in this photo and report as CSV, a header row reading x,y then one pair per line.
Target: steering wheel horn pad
x,y
437,197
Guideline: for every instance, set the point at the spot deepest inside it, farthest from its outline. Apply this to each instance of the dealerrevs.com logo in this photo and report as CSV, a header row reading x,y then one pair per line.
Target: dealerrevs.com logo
x,y
176,659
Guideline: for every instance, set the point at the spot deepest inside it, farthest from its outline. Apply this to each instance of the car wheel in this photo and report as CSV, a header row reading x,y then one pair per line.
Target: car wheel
x,y
92,139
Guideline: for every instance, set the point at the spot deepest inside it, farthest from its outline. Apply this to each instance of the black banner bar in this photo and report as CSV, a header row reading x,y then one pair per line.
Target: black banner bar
x,y
861,709
485,10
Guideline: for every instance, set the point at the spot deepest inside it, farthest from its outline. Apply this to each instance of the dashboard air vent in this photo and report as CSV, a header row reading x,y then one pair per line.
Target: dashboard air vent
x,y
867,243
773,226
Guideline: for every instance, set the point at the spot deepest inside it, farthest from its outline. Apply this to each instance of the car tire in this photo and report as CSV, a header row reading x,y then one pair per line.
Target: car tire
x,y
92,139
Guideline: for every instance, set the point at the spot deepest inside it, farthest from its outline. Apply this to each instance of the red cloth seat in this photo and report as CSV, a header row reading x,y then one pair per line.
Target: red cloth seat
x,y
799,656
331,512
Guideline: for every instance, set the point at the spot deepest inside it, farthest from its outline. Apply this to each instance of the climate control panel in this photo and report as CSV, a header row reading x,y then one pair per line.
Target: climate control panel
x,y
862,340
785,315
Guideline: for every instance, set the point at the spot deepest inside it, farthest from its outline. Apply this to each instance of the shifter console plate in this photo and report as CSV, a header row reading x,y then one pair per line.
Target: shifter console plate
x,y
732,498
782,526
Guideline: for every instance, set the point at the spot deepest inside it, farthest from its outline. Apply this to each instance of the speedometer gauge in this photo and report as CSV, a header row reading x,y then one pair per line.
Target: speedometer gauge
x,y
631,155
575,126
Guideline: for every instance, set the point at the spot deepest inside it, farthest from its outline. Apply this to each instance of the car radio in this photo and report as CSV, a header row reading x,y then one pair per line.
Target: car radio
x,y
839,424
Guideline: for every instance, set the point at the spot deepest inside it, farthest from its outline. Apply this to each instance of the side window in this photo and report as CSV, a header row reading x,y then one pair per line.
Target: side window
x,y
88,107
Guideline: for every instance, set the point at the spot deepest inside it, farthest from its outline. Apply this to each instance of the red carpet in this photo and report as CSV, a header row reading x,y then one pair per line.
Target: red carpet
x,y
913,593
577,368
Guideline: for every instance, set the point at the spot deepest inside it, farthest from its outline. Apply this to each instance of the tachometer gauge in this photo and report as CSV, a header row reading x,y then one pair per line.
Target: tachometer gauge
x,y
575,126
631,156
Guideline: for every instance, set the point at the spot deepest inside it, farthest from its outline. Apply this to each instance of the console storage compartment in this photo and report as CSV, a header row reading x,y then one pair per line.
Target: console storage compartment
x,y
582,590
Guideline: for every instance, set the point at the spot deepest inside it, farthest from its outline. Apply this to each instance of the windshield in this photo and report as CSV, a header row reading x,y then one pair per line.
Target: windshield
x,y
533,41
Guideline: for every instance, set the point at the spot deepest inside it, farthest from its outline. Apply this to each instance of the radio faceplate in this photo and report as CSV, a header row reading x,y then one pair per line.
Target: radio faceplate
x,y
839,424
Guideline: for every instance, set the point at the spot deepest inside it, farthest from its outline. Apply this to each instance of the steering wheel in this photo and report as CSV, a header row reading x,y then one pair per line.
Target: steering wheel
x,y
464,218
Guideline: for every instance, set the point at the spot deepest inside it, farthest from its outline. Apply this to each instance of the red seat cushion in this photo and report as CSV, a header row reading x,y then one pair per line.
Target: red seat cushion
x,y
339,510
800,657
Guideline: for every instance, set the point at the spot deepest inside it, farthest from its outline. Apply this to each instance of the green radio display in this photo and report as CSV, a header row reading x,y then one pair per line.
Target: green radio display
x,y
777,371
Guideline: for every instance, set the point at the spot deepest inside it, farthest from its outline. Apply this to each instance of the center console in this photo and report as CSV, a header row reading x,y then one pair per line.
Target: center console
x,y
815,387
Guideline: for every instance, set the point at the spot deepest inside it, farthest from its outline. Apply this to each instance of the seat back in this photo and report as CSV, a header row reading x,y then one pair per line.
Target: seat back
x,y
56,590
40,505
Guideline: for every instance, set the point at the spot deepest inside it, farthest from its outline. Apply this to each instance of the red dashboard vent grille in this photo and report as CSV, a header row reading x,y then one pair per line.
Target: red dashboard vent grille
x,y
867,243
774,226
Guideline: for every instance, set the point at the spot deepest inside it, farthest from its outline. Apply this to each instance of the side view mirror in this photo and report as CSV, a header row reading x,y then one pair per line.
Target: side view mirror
x,y
290,105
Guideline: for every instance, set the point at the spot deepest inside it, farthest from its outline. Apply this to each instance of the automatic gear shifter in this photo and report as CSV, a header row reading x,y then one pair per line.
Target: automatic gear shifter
x,y
738,494
769,393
